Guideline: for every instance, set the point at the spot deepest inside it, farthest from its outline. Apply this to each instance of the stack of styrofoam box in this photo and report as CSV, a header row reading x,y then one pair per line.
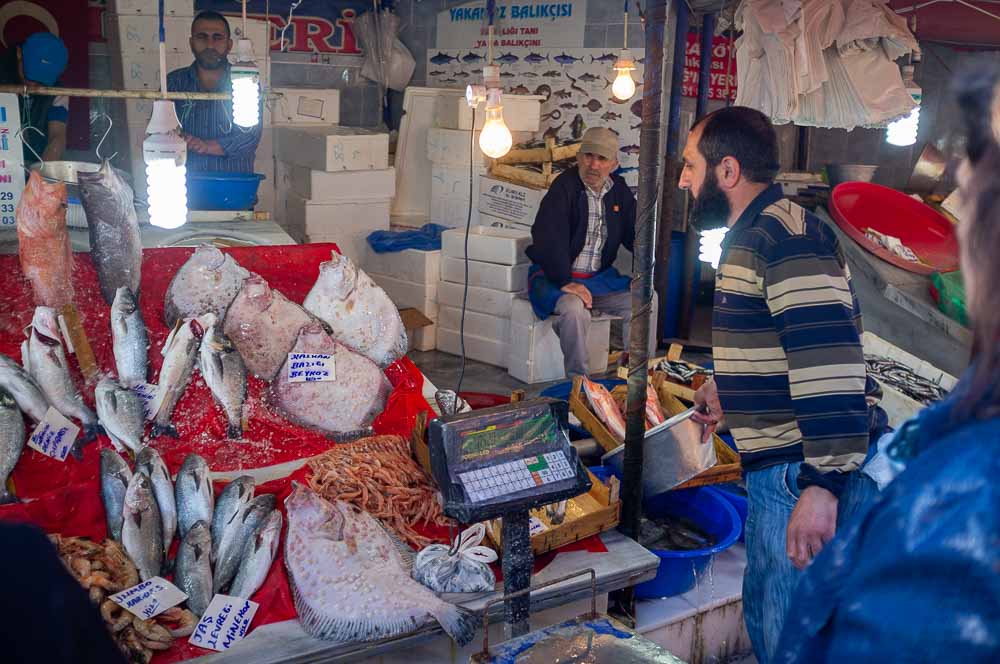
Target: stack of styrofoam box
x,y
410,278
534,354
498,270
508,204
343,187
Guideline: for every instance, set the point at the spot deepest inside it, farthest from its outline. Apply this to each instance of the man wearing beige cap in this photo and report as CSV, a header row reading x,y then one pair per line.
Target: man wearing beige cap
x,y
587,214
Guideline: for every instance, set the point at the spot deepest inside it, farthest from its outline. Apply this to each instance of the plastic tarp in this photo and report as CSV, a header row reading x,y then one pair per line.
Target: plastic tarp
x,y
426,238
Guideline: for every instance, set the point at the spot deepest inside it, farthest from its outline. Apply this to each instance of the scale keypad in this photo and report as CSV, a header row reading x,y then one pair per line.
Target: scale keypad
x,y
514,476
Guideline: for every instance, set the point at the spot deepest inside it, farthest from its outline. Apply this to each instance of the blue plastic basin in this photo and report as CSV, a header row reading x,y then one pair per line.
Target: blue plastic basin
x,y
679,570
222,191
738,499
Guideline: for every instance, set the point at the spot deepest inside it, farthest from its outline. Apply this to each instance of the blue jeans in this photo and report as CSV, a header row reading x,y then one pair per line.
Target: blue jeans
x,y
770,577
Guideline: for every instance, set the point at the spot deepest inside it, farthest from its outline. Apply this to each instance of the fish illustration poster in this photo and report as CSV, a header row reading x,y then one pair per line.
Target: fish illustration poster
x,y
576,84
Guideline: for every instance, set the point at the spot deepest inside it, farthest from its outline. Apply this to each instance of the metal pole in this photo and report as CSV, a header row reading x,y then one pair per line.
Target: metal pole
x,y
111,94
705,70
517,563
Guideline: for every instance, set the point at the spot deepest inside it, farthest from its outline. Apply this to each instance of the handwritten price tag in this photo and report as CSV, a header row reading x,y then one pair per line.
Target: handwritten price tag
x,y
225,622
146,392
54,436
311,368
149,598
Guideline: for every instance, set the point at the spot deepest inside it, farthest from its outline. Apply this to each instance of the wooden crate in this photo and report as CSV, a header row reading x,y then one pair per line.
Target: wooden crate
x,y
674,355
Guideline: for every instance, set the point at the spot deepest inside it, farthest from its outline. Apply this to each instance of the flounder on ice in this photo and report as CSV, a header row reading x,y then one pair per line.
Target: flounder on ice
x,y
351,582
361,315
207,282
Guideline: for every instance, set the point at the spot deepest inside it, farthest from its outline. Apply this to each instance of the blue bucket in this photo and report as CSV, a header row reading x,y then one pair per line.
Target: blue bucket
x,y
679,570
737,498
222,191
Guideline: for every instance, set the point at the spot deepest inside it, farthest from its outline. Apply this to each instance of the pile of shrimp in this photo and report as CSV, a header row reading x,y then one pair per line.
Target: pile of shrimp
x,y
104,569
378,475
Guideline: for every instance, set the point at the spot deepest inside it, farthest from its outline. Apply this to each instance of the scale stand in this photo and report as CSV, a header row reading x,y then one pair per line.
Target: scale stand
x,y
518,561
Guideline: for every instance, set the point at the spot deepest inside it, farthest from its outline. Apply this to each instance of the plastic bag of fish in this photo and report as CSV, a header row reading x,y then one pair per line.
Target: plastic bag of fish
x,y
460,568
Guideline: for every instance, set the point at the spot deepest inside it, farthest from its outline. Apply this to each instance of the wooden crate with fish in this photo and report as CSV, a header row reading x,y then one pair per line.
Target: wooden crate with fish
x,y
680,378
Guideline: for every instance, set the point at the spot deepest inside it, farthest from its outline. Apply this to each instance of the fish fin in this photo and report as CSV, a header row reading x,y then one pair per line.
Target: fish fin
x,y
170,337
25,355
234,431
164,430
458,622
402,548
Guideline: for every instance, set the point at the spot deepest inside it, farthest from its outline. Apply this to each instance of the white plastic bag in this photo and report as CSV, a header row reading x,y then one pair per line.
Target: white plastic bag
x,y
461,568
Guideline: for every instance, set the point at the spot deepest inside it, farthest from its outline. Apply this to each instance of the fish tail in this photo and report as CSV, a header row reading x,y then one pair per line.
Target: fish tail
x,y
164,430
459,623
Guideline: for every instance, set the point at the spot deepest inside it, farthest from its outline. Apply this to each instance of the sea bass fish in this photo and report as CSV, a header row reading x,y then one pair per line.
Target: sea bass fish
x,y
226,376
603,405
142,530
368,594
206,283
115,480
263,325
179,354
231,501
24,388
120,411
258,554
43,241
343,406
361,315
149,461
193,494
130,342
235,536
115,243
194,568
12,437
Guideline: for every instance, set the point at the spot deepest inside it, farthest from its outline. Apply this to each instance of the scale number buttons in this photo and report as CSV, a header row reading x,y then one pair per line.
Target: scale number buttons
x,y
513,476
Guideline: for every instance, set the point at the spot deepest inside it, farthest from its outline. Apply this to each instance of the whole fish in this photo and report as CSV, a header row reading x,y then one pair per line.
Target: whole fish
x,y
12,438
149,461
130,342
237,533
472,57
438,73
115,480
577,127
341,407
534,58
563,94
568,105
610,115
368,595
520,90
443,58
206,283
120,411
179,354
630,149
506,58
607,57
654,412
193,568
258,554
552,73
593,106
361,315
226,376
46,362
506,74
450,80
43,241
142,530
462,74
564,59
115,243
231,502
193,494
529,74
24,388
587,77
603,405
263,324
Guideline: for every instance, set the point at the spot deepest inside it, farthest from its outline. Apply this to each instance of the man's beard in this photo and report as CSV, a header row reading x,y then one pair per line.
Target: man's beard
x,y
210,59
711,208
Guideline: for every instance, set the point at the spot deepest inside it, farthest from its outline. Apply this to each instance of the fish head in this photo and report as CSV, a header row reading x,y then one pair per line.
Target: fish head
x,y
199,539
308,510
45,326
208,257
339,275
48,197
258,292
139,496
124,303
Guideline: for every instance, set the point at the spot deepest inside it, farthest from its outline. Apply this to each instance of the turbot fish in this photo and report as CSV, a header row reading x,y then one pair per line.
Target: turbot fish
x,y
43,241
12,437
115,480
130,342
24,388
226,376
237,533
179,354
231,502
115,243
564,59
193,494
258,554
142,530
120,411
206,283
368,594
193,568
149,461
443,59
593,105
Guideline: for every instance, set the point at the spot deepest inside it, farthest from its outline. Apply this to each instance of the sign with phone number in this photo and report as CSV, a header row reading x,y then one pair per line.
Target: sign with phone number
x,y
11,169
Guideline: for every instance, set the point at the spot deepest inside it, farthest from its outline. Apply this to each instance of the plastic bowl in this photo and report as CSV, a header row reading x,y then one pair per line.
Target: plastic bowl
x,y
679,570
738,500
222,191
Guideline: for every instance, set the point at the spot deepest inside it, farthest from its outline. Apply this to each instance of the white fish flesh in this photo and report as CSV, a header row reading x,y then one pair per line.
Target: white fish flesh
x,y
258,554
206,283
226,376
361,315
179,354
130,342
12,438
149,461
24,388
120,412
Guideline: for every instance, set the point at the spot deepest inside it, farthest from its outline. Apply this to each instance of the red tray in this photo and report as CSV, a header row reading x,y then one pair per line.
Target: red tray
x,y
858,206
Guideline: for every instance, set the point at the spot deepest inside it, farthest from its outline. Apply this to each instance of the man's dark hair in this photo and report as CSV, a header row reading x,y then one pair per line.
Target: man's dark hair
x,y
746,135
209,15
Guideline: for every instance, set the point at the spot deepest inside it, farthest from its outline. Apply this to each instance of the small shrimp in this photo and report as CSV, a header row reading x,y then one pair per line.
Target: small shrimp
x,y
99,579
97,595
150,631
115,616
186,620
81,567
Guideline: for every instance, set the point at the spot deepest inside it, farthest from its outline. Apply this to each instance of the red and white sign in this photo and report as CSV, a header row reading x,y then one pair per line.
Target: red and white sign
x,y
723,68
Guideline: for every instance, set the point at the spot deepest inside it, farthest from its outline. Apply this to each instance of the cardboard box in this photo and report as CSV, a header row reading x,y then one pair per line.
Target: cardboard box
x,y
513,202
150,7
303,106
477,324
333,148
484,300
453,147
534,354
139,33
492,245
324,187
347,223
423,339
520,113
422,297
488,351
413,265
509,278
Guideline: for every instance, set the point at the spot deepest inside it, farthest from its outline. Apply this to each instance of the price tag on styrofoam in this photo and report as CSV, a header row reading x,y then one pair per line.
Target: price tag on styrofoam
x,y
535,526
149,598
311,368
225,622
146,392
54,436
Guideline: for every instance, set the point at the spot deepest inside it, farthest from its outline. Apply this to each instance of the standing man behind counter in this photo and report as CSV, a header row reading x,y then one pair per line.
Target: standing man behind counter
x,y
39,61
214,142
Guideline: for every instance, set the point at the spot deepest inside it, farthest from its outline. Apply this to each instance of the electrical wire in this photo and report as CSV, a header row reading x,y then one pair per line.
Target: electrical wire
x,y
291,10
468,229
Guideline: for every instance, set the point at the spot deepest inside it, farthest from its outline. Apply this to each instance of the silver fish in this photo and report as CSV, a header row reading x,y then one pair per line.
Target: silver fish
x,y
193,568
130,342
115,480
193,493
235,536
231,501
179,354
258,554
12,437
207,282
120,412
24,388
115,243
226,376
142,530
149,461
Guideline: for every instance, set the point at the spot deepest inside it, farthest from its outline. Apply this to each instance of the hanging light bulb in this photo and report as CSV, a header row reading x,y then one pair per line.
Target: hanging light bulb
x,y
165,154
903,132
495,139
246,86
710,246
624,87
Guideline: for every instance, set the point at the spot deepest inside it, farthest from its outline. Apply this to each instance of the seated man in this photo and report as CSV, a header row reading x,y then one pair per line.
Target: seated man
x,y
587,214
39,61
214,142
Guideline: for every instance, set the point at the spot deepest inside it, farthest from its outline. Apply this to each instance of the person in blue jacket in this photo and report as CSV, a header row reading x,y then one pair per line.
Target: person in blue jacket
x,y
916,576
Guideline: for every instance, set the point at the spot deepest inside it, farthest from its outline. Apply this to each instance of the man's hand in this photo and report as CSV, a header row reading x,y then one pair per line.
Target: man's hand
x,y
813,524
708,410
199,146
581,292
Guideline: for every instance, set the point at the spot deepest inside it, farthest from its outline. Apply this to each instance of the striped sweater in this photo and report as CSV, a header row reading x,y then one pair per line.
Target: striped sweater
x,y
786,330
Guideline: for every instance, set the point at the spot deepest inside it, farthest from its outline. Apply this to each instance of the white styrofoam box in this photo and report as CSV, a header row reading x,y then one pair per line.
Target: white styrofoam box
x,y
534,354
282,188
484,300
150,7
333,148
420,267
424,338
137,33
489,351
348,223
406,294
492,245
138,111
265,147
506,200
141,71
136,135
477,324
291,106
327,187
488,275
453,147
450,202
520,113
497,222
258,32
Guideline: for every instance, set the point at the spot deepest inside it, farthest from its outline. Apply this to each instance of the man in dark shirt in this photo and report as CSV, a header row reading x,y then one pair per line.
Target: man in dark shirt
x,y
39,61
214,142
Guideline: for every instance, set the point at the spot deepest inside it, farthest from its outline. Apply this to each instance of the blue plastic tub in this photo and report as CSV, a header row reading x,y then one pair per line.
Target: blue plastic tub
x,y
222,191
679,570
738,499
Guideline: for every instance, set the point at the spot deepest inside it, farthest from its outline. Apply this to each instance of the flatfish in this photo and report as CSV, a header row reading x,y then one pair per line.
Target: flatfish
x,y
207,282
43,241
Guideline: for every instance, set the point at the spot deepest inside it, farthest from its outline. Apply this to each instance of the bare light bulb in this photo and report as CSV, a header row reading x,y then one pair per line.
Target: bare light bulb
x,y
903,132
495,139
165,154
710,246
624,87
246,87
